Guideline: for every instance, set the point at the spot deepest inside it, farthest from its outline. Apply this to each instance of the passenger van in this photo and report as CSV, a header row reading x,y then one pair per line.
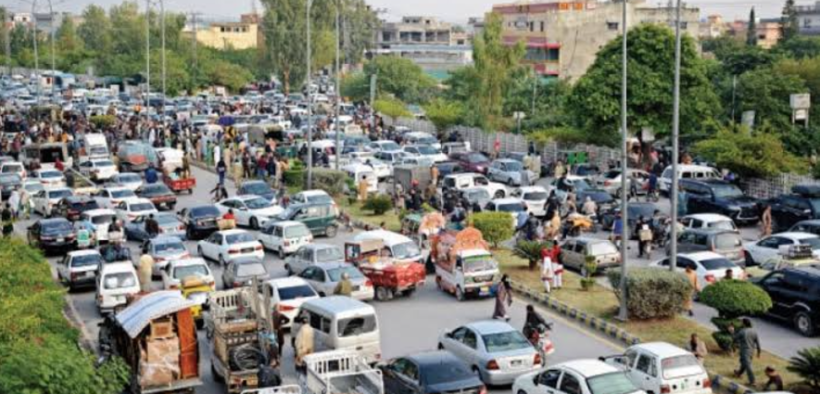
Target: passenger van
x,y
115,283
400,248
686,171
361,172
94,147
343,323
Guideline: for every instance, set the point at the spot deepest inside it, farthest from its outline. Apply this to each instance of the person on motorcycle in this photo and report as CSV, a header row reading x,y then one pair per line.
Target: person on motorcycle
x,y
534,324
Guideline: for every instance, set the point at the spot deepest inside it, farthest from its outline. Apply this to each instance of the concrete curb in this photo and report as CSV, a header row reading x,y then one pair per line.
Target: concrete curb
x,y
612,331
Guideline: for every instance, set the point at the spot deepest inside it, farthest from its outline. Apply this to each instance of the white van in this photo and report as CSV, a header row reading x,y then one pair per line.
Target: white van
x,y
401,248
686,171
359,172
343,323
94,147
115,282
285,237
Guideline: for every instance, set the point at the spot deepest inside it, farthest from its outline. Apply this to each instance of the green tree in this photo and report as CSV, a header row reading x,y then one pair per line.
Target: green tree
x,y
799,47
360,23
531,251
223,73
391,108
66,36
789,27
751,29
95,30
767,93
595,99
443,113
395,76
285,30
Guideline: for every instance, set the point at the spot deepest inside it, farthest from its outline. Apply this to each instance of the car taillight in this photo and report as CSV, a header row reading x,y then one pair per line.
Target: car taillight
x,y
75,275
258,247
285,308
665,389
536,360
493,365
181,227
607,183
707,383
710,278
233,251
368,283
237,284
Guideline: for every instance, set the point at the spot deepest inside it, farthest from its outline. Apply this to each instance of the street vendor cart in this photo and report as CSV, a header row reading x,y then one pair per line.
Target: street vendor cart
x,y
390,278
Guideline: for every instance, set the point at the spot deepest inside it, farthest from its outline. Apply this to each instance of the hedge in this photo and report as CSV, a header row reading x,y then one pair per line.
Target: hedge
x,y
378,203
295,175
651,292
329,180
494,226
38,347
736,298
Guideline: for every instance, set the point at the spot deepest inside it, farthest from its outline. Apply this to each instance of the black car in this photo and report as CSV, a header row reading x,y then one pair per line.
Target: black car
x,y
807,226
635,211
795,294
718,196
802,204
8,183
447,168
52,235
602,199
159,194
257,188
430,372
200,221
72,207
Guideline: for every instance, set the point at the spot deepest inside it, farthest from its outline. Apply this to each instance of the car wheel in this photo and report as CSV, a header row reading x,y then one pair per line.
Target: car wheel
x,y
383,294
499,194
281,253
459,294
254,224
331,231
804,324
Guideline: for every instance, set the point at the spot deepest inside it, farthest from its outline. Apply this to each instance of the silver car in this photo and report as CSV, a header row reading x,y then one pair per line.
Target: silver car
x,y
324,277
495,349
164,249
510,172
575,251
313,254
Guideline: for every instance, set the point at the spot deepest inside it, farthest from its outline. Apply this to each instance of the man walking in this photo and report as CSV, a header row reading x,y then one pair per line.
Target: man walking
x,y
747,342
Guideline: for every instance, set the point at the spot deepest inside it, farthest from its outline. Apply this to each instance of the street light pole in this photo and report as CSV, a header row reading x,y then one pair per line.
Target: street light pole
x,y
310,103
53,67
338,87
147,56
673,250
162,24
36,51
623,314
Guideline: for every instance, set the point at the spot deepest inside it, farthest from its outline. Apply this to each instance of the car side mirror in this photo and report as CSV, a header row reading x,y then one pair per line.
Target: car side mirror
x,y
807,211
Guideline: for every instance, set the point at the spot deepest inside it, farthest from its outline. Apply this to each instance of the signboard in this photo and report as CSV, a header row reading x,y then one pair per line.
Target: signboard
x,y
800,101
574,158
647,134
519,115
801,114
748,119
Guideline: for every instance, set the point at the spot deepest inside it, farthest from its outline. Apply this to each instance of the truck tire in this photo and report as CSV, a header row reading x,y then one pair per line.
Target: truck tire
x,y
383,294
215,375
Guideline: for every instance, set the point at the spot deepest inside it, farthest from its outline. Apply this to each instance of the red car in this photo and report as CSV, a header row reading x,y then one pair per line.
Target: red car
x,y
473,161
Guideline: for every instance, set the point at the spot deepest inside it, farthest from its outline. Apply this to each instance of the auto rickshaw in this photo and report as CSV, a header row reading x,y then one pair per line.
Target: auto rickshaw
x,y
195,289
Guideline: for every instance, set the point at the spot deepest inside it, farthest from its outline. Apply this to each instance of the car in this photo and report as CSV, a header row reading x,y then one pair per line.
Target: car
x,y
603,200
98,169
768,248
159,194
72,207
610,181
535,198
473,161
657,367
250,211
49,178
393,158
463,181
163,249
382,169
177,270
13,167
100,220
510,172
285,238
426,151
135,156
569,183
324,277
312,197
511,205
788,209
241,270
128,180
709,221
582,376
807,226
116,282
575,251
257,188
320,218
588,171
495,350
719,196
227,245
685,171
635,211
111,197
287,295
44,201
415,161
384,146
313,254
447,168
727,243
8,184
132,208
416,138
79,268
429,372
168,223
31,187
200,220
50,235
475,197
709,267
795,294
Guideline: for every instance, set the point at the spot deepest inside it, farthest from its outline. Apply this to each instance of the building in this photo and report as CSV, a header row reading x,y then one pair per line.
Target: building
x,y
436,46
244,34
808,19
563,37
713,27
415,30
767,30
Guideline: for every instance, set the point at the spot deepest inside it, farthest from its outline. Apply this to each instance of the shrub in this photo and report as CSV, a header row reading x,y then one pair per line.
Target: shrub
x,y
807,365
651,292
331,181
378,203
590,269
295,174
494,226
531,251
735,298
103,121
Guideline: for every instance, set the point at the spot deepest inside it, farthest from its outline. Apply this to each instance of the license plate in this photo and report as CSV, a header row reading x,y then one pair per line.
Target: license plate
x,y
60,239
483,290
516,363
247,250
356,288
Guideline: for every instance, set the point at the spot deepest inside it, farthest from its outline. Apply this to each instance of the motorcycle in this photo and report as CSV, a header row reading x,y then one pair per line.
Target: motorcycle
x,y
539,338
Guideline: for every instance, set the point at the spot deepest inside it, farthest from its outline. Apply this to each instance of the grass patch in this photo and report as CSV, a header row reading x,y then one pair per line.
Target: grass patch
x,y
389,218
602,303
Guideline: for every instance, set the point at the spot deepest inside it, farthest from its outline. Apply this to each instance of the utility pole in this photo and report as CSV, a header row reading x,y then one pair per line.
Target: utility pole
x,y
147,56
373,102
53,67
162,28
6,30
734,89
338,87
36,51
194,44
310,103
534,92
673,250
623,315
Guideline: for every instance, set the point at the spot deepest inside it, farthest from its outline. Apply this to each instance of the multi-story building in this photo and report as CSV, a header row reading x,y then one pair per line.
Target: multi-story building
x,y
808,19
563,37
435,46
228,35
767,31
415,30
713,27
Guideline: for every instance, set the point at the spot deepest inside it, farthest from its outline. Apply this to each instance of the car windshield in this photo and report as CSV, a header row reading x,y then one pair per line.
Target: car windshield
x,y
426,150
729,241
535,196
722,225
390,146
446,372
611,383
257,188
50,174
169,247
405,250
514,166
513,207
103,163
60,193
142,207
645,210
476,158
102,219
505,342
258,203
815,205
716,264
191,270
155,190
294,292
727,191
319,199
296,231
129,178
336,273
201,212
12,168
672,365
119,280
478,264
86,260
479,194
357,326
57,227
124,193
239,238
165,219
599,248
813,242
598,197
326,255
98,150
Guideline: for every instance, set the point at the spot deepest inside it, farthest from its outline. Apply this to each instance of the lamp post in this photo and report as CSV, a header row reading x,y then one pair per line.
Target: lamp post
x,y
162,28
309,102
36,51
623,314
338,87
53,67
147,56
673,250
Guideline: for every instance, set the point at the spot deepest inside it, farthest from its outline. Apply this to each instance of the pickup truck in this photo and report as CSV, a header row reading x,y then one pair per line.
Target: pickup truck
x,y
340,371
471,180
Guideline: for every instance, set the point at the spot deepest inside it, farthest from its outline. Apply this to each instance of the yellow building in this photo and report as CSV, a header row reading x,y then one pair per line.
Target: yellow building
x,y
228,35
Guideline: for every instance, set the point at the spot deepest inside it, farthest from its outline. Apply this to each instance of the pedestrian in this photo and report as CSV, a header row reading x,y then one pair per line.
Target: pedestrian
x,y
503,299
151,226
14,201
146,265
766,222
344,287
697,347
557,267
303,343
774,379
246,165
279,322
692,276
559,171
747,341
547,273
8,220
221,169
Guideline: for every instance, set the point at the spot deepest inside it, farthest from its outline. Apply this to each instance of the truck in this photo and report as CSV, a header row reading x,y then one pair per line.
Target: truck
x,y
340,371
463,263
156,337
94,147
46,154
389,277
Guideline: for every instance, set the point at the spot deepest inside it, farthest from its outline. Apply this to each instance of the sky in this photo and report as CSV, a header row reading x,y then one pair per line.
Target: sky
x,y
456,11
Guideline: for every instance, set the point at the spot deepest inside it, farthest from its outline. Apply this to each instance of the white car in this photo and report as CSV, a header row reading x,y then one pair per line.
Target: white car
x,y
511,205
285,237
46,199
659,367
250,211
312,197
381,169
98,169
535,198
469,180
101,219
384,146
115,283
128,180
13,167
225,246
426,151
49,178
288,294
576,377
709,267
768,248
111,197
133,208
178,270
708,221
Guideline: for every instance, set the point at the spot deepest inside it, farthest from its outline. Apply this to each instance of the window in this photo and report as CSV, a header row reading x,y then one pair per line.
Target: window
x,y
646,364
320,323
357,326
549,378
542,26
570,385
612,26
469,339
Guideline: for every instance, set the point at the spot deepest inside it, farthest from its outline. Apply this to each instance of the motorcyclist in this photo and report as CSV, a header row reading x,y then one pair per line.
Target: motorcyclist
x,y
534,324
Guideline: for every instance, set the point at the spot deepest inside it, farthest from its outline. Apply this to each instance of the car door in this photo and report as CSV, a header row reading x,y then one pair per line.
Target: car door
x,y
571,384
309,275
406,379
304,261
40,202
243,214
394,376
547,382
645,373
266,237
228,275
766,249
775,285
64,268
212,245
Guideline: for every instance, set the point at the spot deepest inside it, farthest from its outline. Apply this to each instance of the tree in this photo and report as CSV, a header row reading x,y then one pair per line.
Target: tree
x,y
595,99
806,364
444,114
788,22
751,30
531,251
223,73
285,30
799,47
391,108
359,22
767,93
66,36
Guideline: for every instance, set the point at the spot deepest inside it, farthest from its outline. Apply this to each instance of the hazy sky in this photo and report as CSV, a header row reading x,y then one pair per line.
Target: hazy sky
x,y
450,10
